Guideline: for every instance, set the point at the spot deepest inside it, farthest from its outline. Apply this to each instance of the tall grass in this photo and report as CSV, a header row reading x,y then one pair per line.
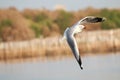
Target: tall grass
x,y
88,42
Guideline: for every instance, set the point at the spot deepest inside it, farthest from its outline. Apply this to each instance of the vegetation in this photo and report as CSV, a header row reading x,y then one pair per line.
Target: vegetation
x,y
28,24
64,19
113,17
13,26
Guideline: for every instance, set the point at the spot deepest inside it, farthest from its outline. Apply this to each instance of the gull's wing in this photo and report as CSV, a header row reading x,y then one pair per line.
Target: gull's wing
x,y
73,45
91,19
88,19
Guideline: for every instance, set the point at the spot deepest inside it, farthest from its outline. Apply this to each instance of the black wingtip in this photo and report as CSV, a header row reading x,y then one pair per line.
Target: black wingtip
x,y
80,63
81,68
99,19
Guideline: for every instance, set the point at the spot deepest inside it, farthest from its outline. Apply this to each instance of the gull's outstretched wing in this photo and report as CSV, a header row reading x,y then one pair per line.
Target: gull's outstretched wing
x,y
73,45
91,19
88,19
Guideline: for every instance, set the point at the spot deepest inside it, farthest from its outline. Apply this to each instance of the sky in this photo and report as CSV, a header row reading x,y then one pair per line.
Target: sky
x,y
51,4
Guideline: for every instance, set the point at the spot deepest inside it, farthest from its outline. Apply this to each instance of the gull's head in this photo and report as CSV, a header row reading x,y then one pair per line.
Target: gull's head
x,y
92,19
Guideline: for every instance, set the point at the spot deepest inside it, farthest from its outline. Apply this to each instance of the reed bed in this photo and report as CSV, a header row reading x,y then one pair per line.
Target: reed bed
x,y
88,42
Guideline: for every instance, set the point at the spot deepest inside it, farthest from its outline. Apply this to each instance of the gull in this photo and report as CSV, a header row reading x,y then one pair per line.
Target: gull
x,y
76,28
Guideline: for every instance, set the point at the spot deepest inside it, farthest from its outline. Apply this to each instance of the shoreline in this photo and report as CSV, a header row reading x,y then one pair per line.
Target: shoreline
x,y
88,42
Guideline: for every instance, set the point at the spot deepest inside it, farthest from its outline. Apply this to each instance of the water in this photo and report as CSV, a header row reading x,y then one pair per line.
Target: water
x,y
96,67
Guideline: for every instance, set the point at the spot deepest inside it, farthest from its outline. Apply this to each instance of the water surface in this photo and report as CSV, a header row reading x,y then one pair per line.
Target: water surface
x,y
96,67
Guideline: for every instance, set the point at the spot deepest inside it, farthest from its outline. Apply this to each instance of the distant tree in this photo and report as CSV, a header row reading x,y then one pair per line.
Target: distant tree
x,y
113,19
64,20
13,26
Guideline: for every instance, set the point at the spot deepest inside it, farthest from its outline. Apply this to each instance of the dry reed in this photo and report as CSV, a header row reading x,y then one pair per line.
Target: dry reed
x,y
89,41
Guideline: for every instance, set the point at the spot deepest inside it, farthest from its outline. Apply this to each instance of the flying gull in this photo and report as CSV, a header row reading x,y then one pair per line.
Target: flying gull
x,y
76,28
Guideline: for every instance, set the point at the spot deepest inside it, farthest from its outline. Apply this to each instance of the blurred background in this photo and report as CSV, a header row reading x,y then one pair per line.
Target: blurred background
x,y
30,33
